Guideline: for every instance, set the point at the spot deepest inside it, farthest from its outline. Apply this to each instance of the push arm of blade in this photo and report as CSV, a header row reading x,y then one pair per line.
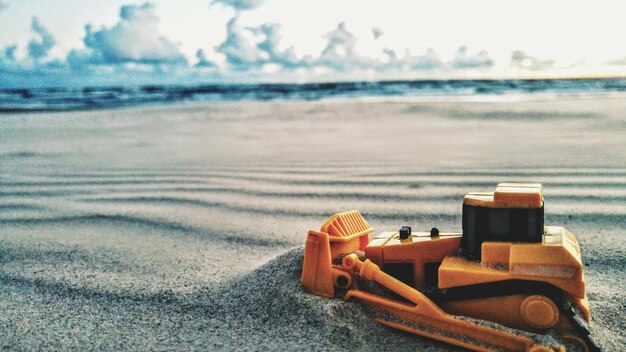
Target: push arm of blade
x,y
424,317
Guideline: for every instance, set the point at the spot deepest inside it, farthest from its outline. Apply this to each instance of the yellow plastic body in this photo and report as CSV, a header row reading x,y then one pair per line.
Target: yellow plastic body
x,y
556,261
343,233
418,249
508,195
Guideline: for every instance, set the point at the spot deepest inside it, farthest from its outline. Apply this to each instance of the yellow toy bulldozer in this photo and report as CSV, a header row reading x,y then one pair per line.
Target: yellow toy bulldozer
x,y
505,268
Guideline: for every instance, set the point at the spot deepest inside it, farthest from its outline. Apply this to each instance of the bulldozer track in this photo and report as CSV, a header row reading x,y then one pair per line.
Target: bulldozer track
x,y
579,325
516,287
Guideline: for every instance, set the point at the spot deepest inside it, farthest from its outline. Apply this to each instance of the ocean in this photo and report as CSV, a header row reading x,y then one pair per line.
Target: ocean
x,y
89,98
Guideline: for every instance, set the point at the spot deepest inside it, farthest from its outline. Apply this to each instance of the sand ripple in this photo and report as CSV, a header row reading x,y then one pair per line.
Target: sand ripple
x,y
159,228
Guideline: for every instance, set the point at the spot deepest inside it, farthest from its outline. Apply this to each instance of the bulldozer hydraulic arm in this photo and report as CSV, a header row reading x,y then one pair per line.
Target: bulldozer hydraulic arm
x,y
423,317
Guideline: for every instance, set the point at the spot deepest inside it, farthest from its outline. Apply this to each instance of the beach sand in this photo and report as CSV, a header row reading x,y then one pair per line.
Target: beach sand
x,y
182,226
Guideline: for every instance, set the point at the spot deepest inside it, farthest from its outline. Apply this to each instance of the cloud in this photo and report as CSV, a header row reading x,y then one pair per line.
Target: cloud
x,y
237,48
37,51
271,46
340,44
618,62
203,61
252,47
7,55
463,60
427,61
240,5
39,47
340,54
35,69
134,39
134,51
377,32
520,59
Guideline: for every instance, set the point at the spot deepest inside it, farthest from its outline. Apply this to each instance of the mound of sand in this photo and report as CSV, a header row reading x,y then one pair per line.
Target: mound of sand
x,y
268,308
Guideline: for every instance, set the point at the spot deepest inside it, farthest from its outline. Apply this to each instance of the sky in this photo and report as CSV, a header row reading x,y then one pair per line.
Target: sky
x,y
112,42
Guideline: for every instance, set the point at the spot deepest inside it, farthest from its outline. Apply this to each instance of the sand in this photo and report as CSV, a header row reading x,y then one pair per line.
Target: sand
x,y
181,227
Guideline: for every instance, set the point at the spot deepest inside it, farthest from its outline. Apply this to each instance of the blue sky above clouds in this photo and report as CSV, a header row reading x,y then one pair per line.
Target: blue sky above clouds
x,y
69,42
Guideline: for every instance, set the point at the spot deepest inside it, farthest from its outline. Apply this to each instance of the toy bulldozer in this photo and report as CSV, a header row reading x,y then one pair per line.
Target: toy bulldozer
x,y
505,268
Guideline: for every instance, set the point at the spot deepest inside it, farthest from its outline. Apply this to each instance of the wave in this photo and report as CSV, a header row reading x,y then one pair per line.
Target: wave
x,y
89,98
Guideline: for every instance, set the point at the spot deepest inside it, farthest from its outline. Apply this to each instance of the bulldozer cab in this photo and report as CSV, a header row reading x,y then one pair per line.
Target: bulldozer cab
x,y
513,213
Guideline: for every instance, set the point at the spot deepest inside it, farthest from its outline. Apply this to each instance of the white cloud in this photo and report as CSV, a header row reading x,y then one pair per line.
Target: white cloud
x,y
37,50
134,39
240,5
253,47
464,60
39,47
7,55
428,61
377,32
203,61
135,47
522,60
340,44
618,62
340,52
271,45
237,47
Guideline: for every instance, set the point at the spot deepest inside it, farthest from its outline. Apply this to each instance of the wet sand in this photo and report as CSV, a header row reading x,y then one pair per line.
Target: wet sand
x,y
181,227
